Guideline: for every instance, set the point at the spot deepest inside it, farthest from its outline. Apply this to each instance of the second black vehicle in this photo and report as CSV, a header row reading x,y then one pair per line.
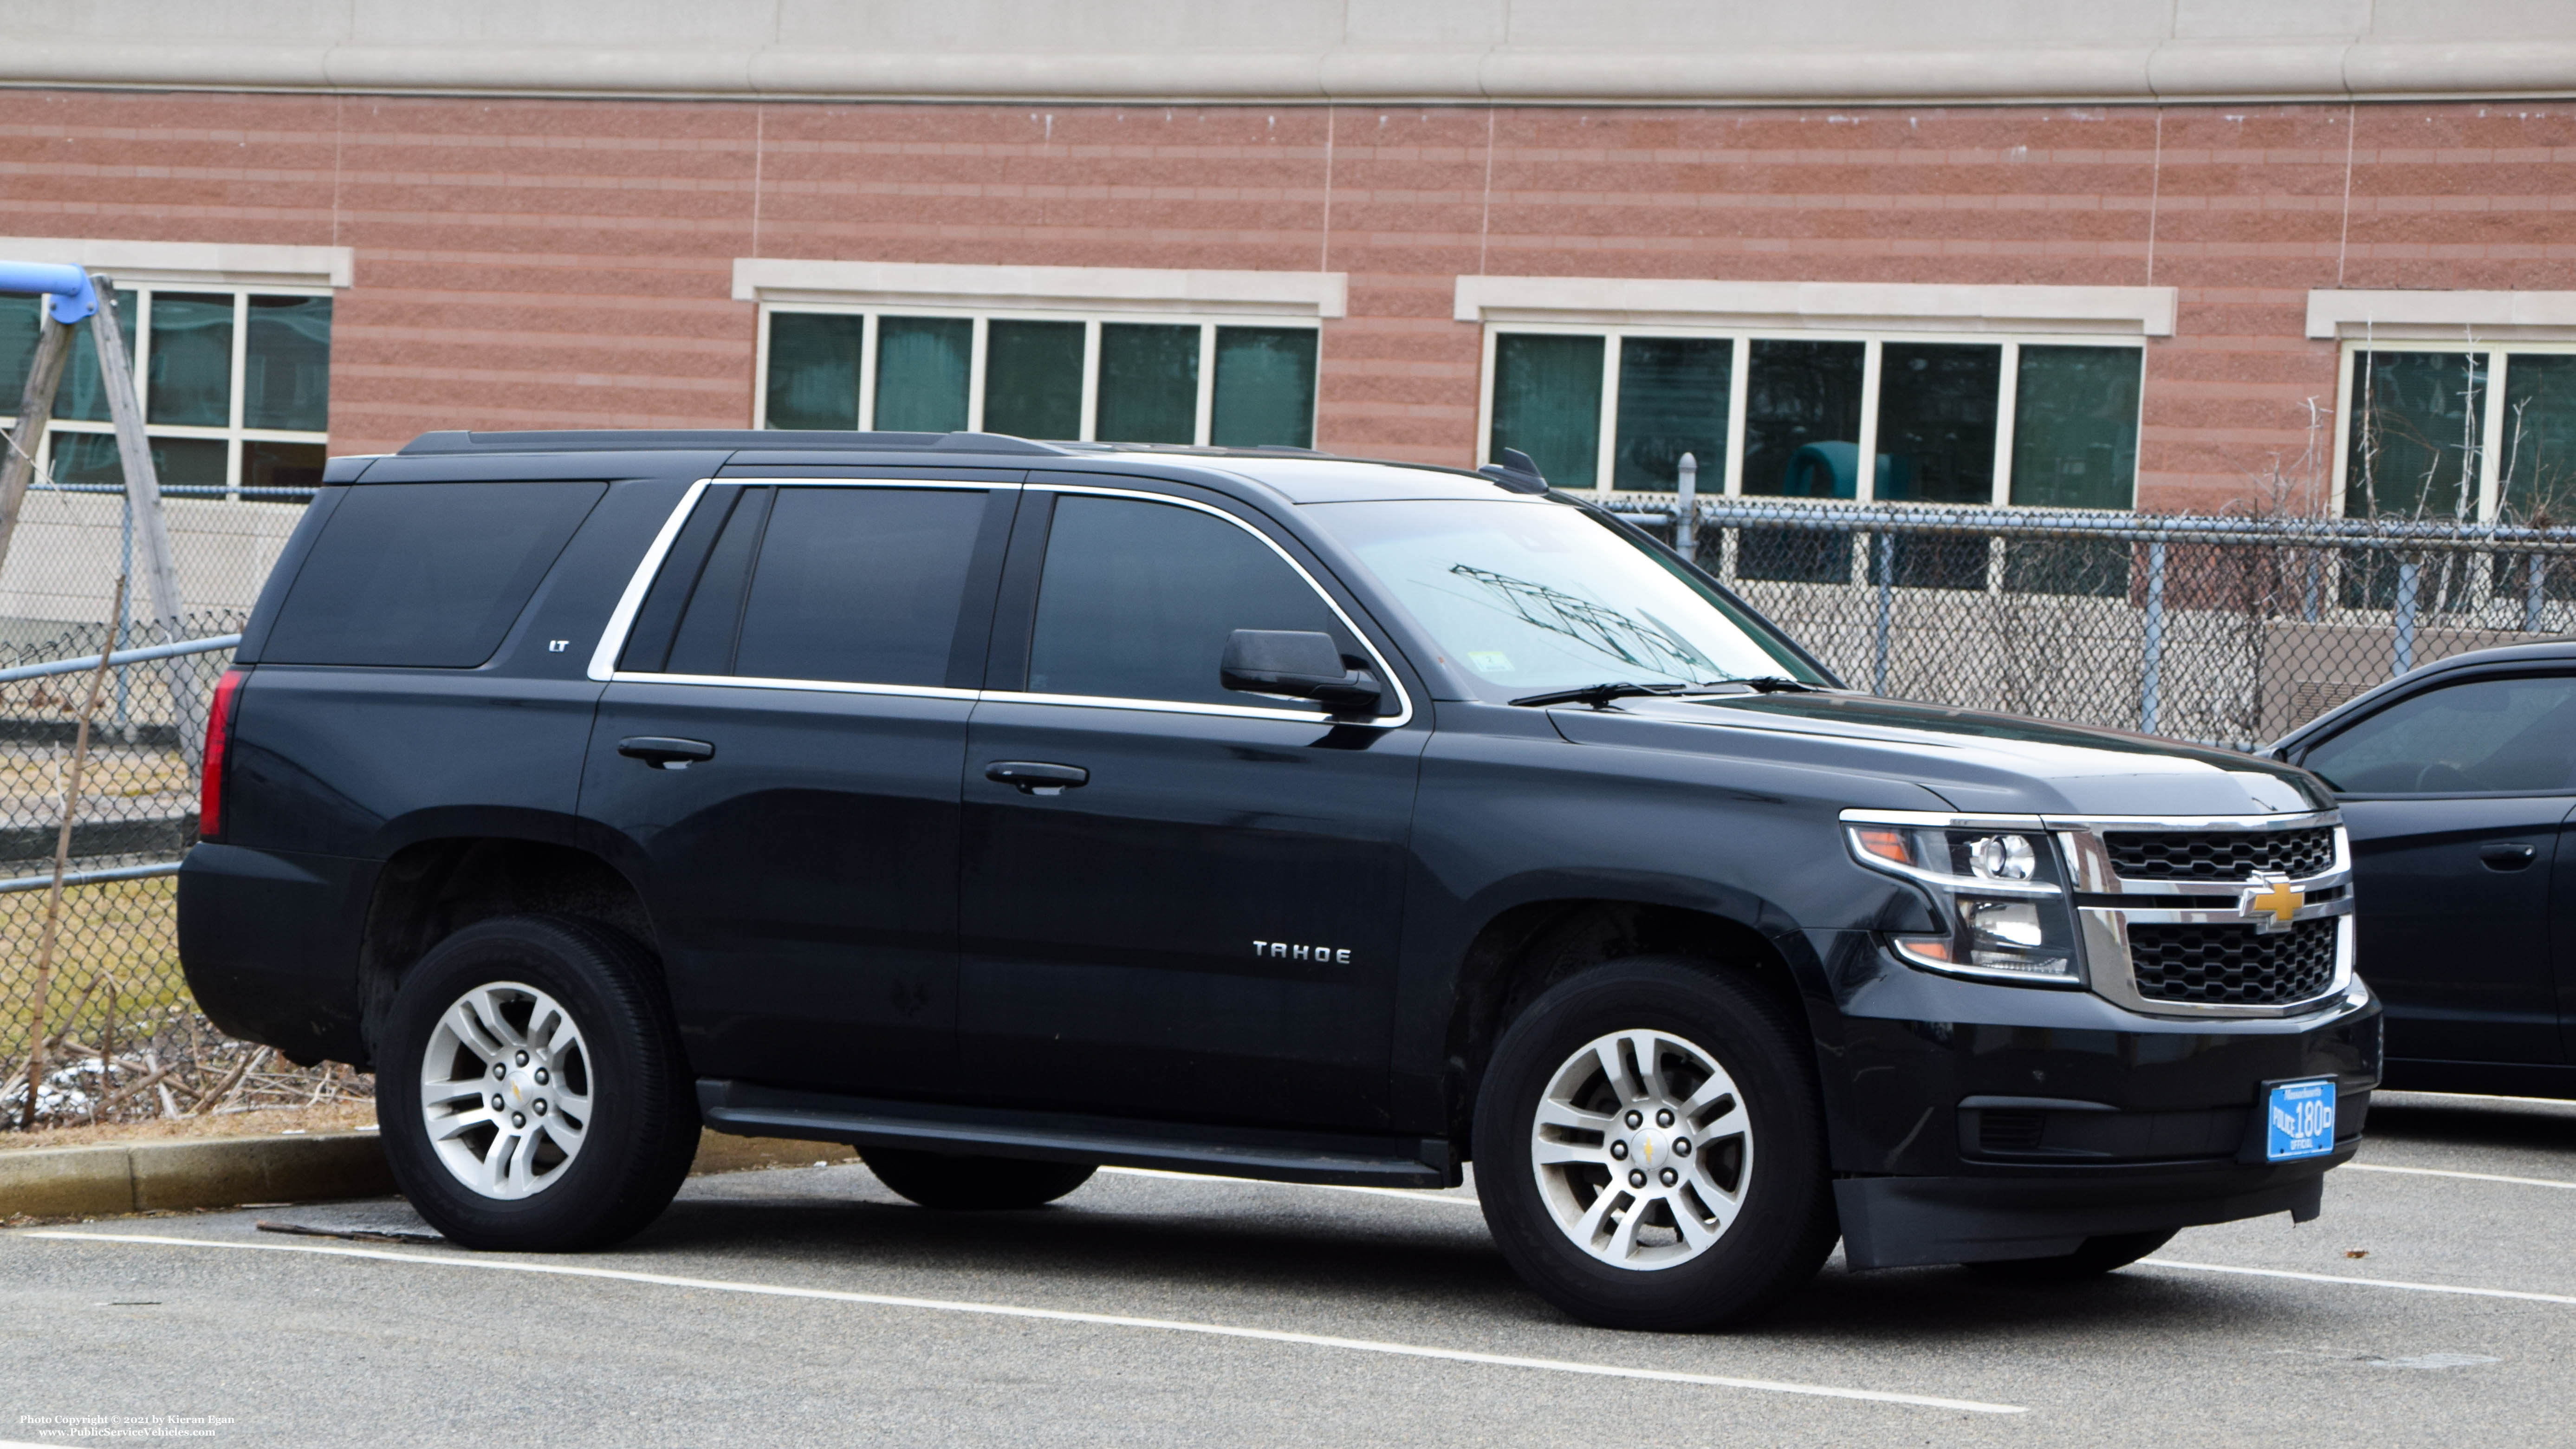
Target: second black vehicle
x,y
2458,784
1007,809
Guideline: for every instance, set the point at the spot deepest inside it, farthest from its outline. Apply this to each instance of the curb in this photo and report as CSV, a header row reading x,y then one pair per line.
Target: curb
x,y
63,1182
56,1182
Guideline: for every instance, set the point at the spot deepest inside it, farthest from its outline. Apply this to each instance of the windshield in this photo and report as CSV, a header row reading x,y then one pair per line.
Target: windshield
x,y
1531,596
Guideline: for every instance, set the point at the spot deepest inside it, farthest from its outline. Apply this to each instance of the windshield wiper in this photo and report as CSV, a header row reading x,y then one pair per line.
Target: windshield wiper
x,y
1599,695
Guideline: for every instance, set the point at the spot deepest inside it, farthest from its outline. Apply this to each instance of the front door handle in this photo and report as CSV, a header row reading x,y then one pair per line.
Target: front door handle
x,y
1034,777
2513,855
664,753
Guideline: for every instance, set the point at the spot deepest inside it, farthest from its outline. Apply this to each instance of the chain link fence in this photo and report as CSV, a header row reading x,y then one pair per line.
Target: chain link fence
x,y
2217,630
106,1000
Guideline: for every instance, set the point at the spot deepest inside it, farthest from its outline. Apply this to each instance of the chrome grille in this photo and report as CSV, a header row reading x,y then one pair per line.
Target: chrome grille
x,y
2234,965
2219,855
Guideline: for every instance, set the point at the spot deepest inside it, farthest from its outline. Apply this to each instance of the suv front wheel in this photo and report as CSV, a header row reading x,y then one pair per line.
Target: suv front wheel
x,y
531,1090
1650,1150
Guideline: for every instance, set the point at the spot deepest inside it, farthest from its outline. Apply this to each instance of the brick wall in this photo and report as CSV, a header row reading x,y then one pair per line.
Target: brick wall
x,y
567,263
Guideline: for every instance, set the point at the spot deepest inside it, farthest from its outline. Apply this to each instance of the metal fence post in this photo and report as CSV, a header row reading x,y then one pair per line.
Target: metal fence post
x,y
1686,510
2409,576
1884,545
2533,593
2150,681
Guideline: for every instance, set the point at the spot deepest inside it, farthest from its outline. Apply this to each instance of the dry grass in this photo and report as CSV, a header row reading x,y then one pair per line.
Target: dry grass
x,y
118,944
345,1116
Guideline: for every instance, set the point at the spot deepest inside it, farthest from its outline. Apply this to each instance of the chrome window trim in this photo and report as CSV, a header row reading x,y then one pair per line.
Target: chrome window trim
x,y
621,619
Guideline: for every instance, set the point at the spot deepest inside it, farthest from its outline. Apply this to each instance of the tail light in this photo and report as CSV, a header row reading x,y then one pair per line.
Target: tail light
x,y
219,736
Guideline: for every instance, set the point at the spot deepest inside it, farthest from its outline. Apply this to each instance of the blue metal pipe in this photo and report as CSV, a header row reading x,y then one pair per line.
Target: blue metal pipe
x,y
122,656
74,298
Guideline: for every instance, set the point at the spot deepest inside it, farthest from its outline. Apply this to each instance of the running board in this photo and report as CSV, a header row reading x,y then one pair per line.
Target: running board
x,y
752,1111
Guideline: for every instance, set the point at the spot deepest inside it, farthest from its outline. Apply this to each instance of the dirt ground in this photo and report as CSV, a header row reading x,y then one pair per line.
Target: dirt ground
x,y
344,1116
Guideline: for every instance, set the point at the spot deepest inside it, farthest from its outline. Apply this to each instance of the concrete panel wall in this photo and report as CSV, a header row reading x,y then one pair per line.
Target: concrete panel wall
x,y
65,556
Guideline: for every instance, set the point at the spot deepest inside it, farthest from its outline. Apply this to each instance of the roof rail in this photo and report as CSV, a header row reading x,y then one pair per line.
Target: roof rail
x,y
766,439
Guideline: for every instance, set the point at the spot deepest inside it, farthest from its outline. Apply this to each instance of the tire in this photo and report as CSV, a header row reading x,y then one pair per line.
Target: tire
x,y
2096,1257
598,1117
1755,1180
974,1184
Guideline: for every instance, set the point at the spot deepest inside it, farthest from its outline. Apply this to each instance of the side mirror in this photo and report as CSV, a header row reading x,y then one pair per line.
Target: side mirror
x,y
1297,665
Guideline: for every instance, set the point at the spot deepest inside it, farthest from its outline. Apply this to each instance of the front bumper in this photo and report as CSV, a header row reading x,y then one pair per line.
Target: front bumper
x,y
1973,1121
1896,1222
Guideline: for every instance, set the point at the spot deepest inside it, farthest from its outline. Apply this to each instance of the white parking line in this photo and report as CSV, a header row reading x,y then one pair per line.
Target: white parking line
x,y
2357,1282
1054,1315
2463,1176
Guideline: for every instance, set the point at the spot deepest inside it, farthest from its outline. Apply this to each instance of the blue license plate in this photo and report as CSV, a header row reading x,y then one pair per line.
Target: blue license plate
x,y
2299,1120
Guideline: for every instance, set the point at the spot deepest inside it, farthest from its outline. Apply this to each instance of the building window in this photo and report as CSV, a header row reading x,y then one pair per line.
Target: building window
x,y
1969,420
2481,434
1107,378
235,385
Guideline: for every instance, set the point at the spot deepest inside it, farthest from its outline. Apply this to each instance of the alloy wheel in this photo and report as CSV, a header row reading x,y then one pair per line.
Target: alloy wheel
x,y
1643,1149
505,1090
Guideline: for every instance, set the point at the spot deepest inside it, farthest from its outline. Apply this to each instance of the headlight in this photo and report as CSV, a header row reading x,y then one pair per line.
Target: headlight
x,y
2000,890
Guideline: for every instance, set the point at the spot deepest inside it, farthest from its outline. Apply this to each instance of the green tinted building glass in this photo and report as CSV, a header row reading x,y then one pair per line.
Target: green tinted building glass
x,y
921,373
286,379
1033,379
192,359
1547,403
21,320
2075,427
194,464
1265,388
2539,444
82,396
1149,383
1672,400
1802,419
814,370
1936,421
2416,417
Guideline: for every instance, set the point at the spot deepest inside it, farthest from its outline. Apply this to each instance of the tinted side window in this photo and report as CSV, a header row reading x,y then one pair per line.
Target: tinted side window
x,y
1137,599
2516,736
856,585
428,574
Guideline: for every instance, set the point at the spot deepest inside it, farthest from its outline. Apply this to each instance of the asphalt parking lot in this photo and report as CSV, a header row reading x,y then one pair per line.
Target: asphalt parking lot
x,y
811,1306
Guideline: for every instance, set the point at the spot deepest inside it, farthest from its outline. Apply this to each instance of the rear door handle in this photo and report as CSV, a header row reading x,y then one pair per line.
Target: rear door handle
x,y
2513,855
1035,777
665,753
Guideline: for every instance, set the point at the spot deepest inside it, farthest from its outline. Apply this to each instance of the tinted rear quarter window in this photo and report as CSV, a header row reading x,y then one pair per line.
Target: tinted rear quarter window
x,y
425,574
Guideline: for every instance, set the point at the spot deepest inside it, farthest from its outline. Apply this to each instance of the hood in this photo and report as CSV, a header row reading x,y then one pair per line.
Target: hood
x,y
1981,763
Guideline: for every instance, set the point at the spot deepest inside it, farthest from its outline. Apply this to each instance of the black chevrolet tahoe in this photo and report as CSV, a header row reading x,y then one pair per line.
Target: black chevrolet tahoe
x,y
1007,809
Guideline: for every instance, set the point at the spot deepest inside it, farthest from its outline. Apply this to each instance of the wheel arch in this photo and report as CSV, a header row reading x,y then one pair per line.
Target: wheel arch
x,y
1523,950
431,888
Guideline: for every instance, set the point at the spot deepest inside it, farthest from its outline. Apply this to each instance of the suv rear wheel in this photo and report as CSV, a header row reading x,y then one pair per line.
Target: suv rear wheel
x,y
533,1095
1650,1149
956,1181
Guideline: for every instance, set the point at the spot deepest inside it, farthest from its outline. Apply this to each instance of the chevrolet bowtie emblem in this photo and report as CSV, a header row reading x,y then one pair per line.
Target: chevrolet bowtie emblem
x,y
2271,902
